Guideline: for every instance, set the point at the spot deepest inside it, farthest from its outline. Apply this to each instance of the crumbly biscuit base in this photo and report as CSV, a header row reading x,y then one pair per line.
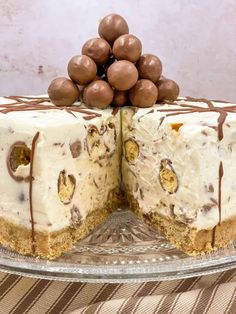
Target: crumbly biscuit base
x,y
52,245
190,240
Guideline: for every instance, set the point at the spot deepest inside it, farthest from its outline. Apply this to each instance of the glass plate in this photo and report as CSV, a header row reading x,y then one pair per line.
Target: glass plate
x,y
123,249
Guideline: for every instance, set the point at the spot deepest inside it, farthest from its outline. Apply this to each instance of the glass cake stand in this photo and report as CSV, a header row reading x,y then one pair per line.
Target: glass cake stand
x,y
123,249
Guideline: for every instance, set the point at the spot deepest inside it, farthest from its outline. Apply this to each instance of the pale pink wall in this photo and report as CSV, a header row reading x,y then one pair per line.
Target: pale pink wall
x,y
196,40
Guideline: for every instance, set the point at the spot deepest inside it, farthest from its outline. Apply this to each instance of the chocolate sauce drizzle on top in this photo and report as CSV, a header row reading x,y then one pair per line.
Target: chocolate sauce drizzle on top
x,y
24,103
150,111
187,109
31,178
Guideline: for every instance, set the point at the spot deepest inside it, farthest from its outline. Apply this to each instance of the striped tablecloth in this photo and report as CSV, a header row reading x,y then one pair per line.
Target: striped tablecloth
x,y
207,294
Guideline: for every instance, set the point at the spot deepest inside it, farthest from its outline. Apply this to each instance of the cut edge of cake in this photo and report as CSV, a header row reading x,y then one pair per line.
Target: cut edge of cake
x,y
177,167
189,240
51,245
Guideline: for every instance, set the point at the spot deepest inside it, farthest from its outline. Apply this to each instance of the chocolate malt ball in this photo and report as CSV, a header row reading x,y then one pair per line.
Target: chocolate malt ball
x,y
143,94
122,75
97,49
149,67
82,87
120,98
63,92
127,47
98,94
167,90
82,69
112,26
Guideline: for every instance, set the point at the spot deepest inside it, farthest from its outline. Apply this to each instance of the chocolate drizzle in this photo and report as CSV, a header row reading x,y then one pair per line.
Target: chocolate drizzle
x,y
213,239
221,173
31,178
24,103
90,117
115,110
187,109
150,111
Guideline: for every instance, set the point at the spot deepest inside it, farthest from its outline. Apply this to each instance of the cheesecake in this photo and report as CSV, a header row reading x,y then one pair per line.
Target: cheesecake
x,y
66,169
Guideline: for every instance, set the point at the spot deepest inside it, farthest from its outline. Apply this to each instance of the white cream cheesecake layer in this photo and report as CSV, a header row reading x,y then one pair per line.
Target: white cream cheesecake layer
x,y
189,145
95,171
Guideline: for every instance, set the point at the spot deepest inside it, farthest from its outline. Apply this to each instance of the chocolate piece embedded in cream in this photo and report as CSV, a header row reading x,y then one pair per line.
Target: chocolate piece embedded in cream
x,y
167,176
75,217
127,47
82,69
112,26
149,67
122,75
131,150
18,161
65,187
97,147
98,49
143,94
47,170
63,92
76,148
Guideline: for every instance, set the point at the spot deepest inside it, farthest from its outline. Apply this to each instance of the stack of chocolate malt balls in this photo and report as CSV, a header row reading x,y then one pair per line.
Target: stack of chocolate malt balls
x,y
111,70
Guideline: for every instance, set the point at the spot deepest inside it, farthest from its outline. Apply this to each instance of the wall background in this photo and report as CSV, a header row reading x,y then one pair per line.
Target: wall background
x,y
195,39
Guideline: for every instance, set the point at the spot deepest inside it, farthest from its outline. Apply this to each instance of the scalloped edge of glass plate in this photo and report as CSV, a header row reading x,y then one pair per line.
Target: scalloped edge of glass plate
x,y
221,260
